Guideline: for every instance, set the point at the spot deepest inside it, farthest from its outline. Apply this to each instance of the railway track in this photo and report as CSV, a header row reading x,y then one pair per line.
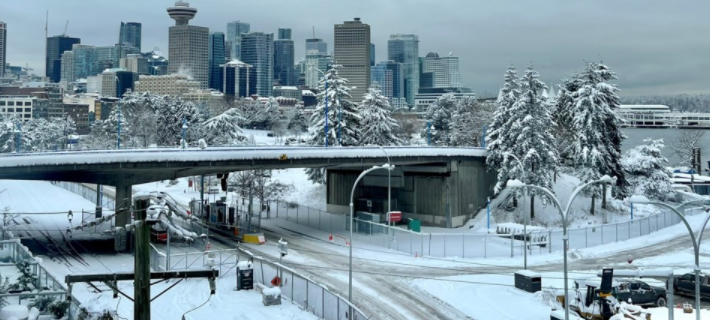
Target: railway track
x,y
55,250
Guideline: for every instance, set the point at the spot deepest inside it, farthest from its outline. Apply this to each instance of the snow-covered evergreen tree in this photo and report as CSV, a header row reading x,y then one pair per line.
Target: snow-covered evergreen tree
x,y
222,129
646,170
377,122
339,107
498,142
297,122
467,122
597,130
563,114
104,133
270,113
170,122
438,120
534,144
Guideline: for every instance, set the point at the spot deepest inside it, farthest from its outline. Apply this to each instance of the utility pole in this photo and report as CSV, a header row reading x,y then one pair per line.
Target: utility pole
x,y
141,285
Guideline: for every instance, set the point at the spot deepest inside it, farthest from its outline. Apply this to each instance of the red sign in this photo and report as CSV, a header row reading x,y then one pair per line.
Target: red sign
x,y
395,216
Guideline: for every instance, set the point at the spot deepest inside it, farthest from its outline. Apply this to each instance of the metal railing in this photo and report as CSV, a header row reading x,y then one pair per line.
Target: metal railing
x,y
13,252
87,193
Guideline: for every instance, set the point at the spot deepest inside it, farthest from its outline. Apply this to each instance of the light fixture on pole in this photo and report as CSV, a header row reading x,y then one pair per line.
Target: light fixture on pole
x,y
184,126
352,213
639,199
18,135
563,213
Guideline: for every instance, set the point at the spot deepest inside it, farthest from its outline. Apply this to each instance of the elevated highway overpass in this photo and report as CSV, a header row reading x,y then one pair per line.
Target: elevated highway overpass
x,y
432,183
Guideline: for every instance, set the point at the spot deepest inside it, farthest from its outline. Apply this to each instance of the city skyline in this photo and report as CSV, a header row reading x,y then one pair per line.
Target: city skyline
x,y
557,37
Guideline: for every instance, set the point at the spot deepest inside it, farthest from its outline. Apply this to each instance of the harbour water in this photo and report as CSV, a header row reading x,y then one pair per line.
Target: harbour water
x,y
635,137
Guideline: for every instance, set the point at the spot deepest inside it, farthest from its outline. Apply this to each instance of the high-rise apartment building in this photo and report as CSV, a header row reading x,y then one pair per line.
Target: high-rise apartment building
x,y
235,29
3,48
130,33
258,51
115,82
283,58
444,71
390,76
56,46
236,78
404,48
216,54
352,52
136,63
188,50
316,46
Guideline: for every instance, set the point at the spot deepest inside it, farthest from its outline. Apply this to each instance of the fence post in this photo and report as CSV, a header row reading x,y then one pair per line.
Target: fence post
x,y
549,239
308,216
320,216
485,245
617,232
602,232
444,245
322,302
640,229
307,294
629,224
463,243
297,206
512,233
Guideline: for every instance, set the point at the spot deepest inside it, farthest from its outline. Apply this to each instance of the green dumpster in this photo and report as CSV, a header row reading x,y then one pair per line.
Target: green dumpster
x,y
414,225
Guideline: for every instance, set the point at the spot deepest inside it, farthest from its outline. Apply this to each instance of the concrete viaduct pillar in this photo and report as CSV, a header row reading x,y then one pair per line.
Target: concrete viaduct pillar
x,y
123,204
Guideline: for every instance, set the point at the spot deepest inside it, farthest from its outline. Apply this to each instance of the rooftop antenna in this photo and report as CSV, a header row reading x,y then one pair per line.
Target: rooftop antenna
x,y
65,28
314,32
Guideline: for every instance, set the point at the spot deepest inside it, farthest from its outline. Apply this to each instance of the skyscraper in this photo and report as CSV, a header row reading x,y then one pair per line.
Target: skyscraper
x,y
258,51
53,59
216,58
235,29
352,52
188,45
283,58
236,77
3,48
130,33
404,48
372,54
316,45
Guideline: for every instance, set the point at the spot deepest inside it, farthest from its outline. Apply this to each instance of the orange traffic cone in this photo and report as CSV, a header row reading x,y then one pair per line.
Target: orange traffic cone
x,y
330,237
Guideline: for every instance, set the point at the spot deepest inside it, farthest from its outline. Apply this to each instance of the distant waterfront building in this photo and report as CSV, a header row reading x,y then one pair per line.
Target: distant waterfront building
x,y
188,45
283,58
444,71
3,48
236,76
130,32
258,51
404,48
216,59
352,52
56,46
173,84
235,29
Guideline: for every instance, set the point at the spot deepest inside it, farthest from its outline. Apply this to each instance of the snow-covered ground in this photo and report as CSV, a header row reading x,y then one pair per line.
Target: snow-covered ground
x,y
37,196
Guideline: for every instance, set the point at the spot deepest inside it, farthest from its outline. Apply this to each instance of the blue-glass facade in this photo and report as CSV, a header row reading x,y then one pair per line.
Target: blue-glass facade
x,y
216,59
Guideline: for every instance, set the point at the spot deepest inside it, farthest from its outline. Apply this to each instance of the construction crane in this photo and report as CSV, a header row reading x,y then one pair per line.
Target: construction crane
x,y
27,68
65,29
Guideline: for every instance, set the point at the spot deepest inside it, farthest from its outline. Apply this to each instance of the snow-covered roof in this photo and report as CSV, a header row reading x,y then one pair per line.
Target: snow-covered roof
x,y
237,63
227,153
307,93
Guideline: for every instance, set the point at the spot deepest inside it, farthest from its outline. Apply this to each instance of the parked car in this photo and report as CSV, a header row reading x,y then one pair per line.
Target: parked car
x,y
640,293
685,284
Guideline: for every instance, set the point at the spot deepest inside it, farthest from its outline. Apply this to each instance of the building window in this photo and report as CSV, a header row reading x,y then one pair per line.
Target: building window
x,y
10,109
28,103
28,115
11,103
2,104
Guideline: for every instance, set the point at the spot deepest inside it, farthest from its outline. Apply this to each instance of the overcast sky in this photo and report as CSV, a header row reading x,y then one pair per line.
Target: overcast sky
x,y
655,46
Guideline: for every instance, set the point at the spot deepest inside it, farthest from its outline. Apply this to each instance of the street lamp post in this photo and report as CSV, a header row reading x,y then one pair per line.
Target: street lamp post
x,y
325,80
696,241
525,224
118,105
184,126
563,214
389,192
352,213
18,133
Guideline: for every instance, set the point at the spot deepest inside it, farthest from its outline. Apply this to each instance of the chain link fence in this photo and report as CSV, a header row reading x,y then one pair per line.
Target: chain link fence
x,y
469,245
300,290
